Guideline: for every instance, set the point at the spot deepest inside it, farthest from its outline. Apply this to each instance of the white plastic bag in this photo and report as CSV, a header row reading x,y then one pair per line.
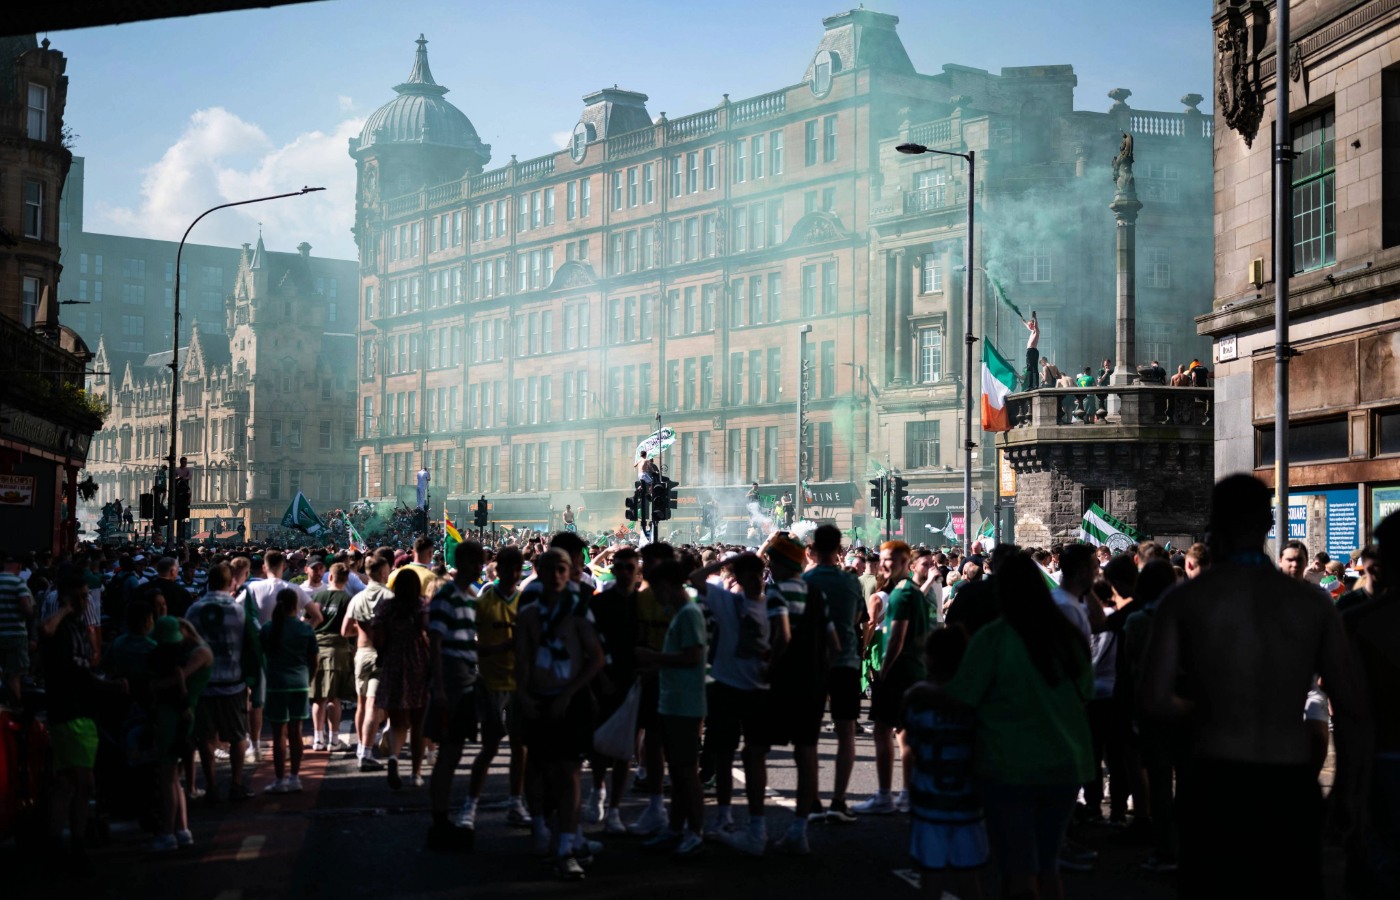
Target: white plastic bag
x,y
617,737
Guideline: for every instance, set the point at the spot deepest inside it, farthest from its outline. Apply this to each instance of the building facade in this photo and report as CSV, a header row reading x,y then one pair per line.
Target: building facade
x,y
48,419
524,327
1344,296
266,406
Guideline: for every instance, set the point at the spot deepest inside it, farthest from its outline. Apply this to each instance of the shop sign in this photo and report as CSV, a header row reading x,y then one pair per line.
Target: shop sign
x,y
16,490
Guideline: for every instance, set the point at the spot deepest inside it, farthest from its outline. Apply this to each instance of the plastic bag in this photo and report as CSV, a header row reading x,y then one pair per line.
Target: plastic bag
x,y
617,737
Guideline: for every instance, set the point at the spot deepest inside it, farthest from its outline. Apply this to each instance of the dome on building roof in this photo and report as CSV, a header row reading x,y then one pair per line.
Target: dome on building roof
x,y
419,115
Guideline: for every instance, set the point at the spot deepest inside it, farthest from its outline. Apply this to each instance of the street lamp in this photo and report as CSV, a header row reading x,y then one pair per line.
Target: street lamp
x,y
802,375
175,350
968,444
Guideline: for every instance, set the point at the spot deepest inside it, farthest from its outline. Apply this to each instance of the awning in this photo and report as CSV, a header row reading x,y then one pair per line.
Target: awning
x,y
202,536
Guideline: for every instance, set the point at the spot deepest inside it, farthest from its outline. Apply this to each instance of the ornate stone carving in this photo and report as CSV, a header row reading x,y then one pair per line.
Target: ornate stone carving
x,y
1295,61
1123,166
1237,91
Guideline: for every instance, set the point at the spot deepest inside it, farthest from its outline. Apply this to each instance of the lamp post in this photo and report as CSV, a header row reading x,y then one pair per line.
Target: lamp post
x,y
175,347
968,338
802,375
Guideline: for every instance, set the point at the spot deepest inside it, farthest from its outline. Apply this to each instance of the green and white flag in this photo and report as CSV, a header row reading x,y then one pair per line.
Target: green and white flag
x,y
1103,530
302,517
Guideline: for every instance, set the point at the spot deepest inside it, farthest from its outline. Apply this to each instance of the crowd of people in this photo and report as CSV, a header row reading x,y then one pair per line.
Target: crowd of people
x,y
1191,698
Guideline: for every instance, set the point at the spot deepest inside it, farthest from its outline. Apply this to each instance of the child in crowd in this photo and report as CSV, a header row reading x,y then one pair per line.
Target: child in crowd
x,y
948,839
289,645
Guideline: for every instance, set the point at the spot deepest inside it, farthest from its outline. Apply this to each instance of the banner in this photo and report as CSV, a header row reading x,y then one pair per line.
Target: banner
x,y
357,542
302,517
1103,530
451,537
658,441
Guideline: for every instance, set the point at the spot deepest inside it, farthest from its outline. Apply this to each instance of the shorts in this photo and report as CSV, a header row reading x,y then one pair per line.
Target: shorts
x,y
939,845
335,674
498,715
74,744
14,656
843,687
648,716
680,737
886,698
453,722
367,672
795,720
567,739
732,712
287,706
222,716
1026,824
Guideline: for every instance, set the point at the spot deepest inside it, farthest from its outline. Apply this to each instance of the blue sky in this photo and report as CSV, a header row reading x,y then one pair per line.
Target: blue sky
x,y
177,115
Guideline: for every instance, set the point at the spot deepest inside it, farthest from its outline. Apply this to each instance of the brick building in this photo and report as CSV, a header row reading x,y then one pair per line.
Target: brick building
x,y
1344,295
522,327
266,407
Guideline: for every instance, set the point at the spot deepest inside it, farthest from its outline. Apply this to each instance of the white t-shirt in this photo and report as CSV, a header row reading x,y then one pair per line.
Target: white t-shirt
x,y
264,593
744,636
1073,610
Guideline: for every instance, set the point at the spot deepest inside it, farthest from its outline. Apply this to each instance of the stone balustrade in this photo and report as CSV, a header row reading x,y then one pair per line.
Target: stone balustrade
x,y
1119,407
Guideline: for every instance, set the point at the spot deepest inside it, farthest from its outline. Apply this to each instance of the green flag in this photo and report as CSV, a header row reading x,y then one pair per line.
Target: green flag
x,y
302,517
1101,529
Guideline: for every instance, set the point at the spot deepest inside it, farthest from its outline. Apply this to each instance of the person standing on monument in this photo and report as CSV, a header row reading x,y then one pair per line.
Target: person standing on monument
x,y
1033,353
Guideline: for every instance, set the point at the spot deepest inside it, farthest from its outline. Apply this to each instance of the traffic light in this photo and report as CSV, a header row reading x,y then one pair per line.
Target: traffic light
x,y
663,499
899,497
482,514
877,495
634,504
159,516
148,506
181,499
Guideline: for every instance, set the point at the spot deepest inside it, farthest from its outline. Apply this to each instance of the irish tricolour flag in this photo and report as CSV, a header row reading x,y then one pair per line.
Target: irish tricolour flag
x,y
998,380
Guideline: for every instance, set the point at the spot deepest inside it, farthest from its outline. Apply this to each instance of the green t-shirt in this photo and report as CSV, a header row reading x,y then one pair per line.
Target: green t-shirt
x,y
907,604
1028,732
286,662
683,687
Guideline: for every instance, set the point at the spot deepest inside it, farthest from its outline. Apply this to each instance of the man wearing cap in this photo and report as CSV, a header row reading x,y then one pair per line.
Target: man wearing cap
x,y
798,676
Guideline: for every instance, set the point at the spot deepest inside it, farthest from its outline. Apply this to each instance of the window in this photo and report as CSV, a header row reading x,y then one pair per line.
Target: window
x,y
775,153
709,168
931,281
810,144
775,296
617,189
930,191
134,294
828,288
632,186
31,305
736,379
825,451
921,444
1387,433
930,355
826,383
1160,268
1307,442
741,229
828,139
33,209
323,437
276,438
775,373
775,222
707,383
770,454
457,229
1156,341
548,213
673,383
809,291
585,198
1314,193
1034,264
741,164
692,172
676,175
757,145
38,112
571,201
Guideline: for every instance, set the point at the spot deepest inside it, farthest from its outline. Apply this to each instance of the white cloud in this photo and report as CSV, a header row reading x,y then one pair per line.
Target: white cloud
x,y
347,104
221,158
561,139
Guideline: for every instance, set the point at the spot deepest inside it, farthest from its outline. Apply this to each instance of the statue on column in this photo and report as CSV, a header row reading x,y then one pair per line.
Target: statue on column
x,y
1123,166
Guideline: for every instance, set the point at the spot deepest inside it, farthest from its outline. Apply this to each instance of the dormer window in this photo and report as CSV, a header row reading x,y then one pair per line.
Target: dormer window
x,y
578,145
824,67
38,112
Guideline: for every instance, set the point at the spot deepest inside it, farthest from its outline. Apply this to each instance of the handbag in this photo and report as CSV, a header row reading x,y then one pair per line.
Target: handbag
x,y
617,737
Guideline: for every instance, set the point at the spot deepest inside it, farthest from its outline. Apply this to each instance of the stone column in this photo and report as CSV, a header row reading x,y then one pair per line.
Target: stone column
x,y
901,320
1125,208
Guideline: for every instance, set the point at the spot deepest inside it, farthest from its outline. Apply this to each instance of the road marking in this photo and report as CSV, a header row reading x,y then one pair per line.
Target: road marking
x,y
770,796
252,847
912,876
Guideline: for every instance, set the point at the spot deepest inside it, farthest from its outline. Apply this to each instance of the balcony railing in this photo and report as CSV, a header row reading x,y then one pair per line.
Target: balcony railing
x,y
1171,124
488,181
444,193
932,134
1132,406
534,168
638,141
943,196
408,203
692,126
760,107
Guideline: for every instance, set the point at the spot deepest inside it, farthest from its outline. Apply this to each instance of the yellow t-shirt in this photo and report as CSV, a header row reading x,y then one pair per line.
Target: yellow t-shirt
x,y
653,618
495,624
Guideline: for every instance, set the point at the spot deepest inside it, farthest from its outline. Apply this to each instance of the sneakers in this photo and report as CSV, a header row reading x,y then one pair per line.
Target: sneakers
x,y
336,745
612,822
877,805
221,753
568,868
466,817
165,843
792,844
417,781
901,802
184,838
718,830
691,845
841,813
195,793
293,784
278,786
665,841
649,823
748,843
370,764
318,744
518,815
253,755
592,812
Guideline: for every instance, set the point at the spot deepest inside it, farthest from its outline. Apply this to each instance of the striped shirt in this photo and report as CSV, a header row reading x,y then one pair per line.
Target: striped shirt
x,y
13,622
452,616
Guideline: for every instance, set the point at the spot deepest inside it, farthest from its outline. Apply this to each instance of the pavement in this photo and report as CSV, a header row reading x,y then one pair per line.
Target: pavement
x,y
348,835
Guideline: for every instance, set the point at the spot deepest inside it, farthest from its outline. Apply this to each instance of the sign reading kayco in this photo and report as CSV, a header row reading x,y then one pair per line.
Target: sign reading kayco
x,y
16,490
928,503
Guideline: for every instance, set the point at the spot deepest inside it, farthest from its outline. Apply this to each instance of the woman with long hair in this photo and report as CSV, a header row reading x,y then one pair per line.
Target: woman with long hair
x,y
289,651
1027,677
400,629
